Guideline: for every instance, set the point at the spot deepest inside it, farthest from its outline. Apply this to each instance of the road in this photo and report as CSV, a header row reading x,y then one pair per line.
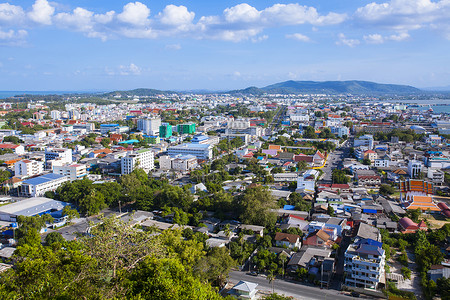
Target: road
x,y
335,158
296,290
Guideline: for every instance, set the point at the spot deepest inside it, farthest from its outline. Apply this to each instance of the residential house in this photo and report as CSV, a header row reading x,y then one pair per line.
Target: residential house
x,y
288,240
318,238
244,290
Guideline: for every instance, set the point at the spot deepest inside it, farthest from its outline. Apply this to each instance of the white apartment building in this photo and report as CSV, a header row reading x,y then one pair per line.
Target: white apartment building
x,y
63,154
279,177
299,118
149,126
165,162
340,131
55,115
436,176
364,264
142,159
242,126
72,172
36,187
180,162
381,163
28,168
414,168
201,151
364,140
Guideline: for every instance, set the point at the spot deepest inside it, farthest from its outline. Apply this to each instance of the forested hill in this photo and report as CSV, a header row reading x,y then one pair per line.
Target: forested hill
x,y
329,87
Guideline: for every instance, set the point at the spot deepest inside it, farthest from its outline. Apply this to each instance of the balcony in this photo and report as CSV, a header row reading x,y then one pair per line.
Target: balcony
x,y
355,268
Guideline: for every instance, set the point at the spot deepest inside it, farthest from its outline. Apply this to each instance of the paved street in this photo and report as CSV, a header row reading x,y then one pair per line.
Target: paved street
x,y
335,158
296,290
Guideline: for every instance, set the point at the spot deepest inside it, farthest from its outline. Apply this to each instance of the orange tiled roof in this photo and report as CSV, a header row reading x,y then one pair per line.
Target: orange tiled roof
x,y
423,202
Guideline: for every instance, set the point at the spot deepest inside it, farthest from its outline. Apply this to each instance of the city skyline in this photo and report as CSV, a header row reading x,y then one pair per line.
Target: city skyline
x,y
178,45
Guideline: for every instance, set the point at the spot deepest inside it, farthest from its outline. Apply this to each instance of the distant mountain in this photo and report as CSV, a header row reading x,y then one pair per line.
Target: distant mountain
x,y
438,89
138,92
329,87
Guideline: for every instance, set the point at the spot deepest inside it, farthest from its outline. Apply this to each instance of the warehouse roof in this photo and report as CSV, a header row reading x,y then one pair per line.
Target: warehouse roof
x,y
32,206
43,179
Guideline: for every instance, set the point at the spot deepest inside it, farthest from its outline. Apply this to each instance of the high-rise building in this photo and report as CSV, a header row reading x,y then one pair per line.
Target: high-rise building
x,y
414,168
28,168
364,264
364,140
165,130
188,128
149,126
140,159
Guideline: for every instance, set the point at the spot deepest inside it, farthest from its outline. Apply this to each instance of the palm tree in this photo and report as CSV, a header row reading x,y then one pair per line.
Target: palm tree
x,y
271,278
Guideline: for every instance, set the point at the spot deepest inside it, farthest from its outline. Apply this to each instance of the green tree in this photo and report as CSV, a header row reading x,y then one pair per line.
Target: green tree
x,y
386,189
70,212
339,176
105,142
215,266
12,139
93,203
309,133
256,207
54,238
300,204
166,279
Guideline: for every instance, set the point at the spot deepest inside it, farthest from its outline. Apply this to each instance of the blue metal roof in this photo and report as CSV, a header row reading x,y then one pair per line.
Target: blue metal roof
x,y
370,242
109,125
129,142
289,207
43,179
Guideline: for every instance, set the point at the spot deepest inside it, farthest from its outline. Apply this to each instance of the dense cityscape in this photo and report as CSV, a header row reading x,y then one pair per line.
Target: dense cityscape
x,y
183,196
178,150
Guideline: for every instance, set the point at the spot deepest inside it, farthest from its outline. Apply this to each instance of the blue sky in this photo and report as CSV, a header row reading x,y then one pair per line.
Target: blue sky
x,y
220,45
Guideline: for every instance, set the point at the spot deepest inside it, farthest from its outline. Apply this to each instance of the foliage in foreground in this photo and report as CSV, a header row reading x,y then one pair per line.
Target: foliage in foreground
x,y
116,261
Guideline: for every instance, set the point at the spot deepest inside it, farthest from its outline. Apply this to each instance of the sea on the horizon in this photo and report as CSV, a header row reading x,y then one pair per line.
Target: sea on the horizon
x,y
7,94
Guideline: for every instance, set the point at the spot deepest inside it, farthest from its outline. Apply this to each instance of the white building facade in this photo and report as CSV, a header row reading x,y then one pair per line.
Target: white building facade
x,y
142,159
28,168
149,126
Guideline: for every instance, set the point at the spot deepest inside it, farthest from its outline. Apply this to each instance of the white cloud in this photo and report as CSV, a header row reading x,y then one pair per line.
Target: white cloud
x,y
294,14
243,22
379,39
241,13
176,15
42,12
260,38
11,14
105,18
374,39
299,37
402,15
344,41
399,37
131,69
13,37
173,47
135,13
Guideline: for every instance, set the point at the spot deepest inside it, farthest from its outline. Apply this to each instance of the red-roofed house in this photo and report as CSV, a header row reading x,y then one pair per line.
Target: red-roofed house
x,y
406,225
318,238
318,158
370,155
17,149
288,240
